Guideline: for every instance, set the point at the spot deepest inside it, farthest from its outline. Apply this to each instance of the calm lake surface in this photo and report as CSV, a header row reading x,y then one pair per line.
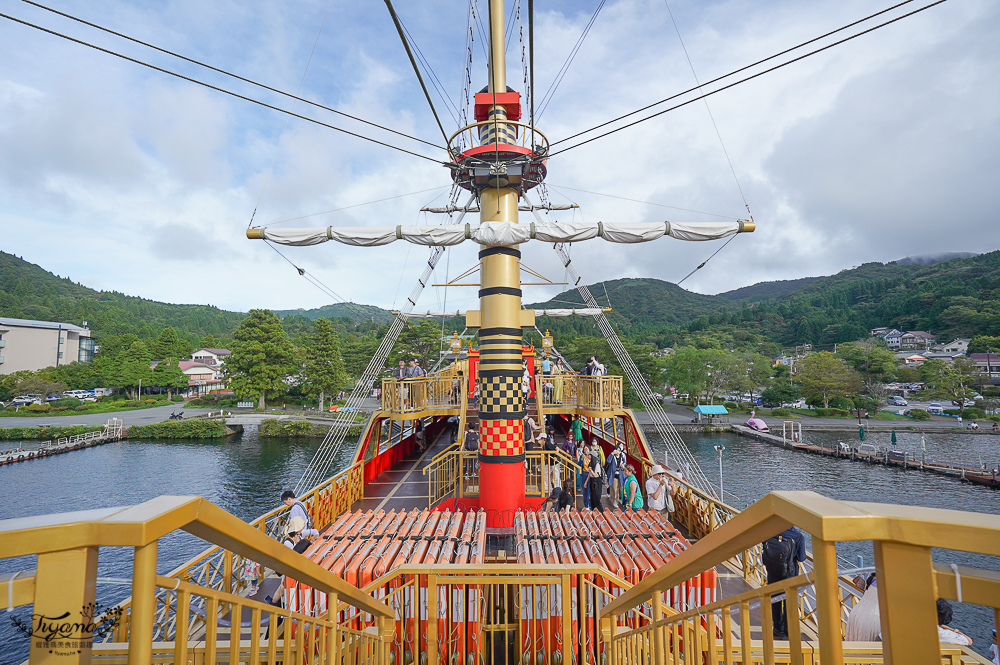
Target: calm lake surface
x,y
246,476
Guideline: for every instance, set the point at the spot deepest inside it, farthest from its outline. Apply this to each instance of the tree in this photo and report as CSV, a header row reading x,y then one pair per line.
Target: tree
x,y
169,345
132,368
167,374
358,352
39,384
211,342
261,357
688,372
869,358
823,376
984,343
324,366
778,394
952,380
420,340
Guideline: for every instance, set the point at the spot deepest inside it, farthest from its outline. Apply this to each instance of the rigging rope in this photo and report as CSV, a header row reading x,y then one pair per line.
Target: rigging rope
x,y
710,116
274,155
320,466
227,73
315,281
416,69
439,87
731,85
547,97
218,89
623,198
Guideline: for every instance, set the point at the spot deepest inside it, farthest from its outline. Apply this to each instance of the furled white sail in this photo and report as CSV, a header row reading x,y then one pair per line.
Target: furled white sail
x,y
437,314
492,234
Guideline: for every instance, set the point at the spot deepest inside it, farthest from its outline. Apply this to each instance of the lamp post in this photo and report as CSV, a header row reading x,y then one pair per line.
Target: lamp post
x,y
722,493
455,345
547,343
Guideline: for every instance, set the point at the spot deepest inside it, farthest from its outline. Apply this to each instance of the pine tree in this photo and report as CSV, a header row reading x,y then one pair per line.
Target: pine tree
x,y
132,368
167,374
324,366
261,357
169,345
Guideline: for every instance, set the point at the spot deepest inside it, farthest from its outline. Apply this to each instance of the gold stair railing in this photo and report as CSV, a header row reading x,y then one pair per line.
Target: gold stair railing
x,y
578,393
434,393
909,584
67,547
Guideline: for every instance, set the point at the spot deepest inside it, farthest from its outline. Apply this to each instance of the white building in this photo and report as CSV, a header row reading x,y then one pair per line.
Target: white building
x,y
214,357
960,345
33,345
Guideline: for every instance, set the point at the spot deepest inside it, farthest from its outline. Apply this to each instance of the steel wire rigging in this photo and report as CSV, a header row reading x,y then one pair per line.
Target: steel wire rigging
x,y
547,97
743,80
320,465
222,90
228,73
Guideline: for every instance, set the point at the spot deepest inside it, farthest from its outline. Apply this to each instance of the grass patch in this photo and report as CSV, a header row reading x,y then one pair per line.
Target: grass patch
x,y
184,429
39,410
45,433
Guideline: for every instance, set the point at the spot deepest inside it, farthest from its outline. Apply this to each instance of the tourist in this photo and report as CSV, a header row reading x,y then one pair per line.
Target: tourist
x,y
595,480
453,428
557,380
863,623
972,426
598,369
659,492
298,509
567,499
615,472
471,444
415,370
781,556
420,435
583,461
569,444
577,426
293,539
946,633
546,366
401,372
631,496
531,429
525,380
994,649
996,427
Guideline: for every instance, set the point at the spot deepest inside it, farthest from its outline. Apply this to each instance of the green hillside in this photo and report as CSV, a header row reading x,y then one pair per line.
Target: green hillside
x,y
27,291
767,290
354,311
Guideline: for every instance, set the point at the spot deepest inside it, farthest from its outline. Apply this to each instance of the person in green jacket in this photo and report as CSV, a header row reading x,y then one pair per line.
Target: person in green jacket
x,y
577,426
631,496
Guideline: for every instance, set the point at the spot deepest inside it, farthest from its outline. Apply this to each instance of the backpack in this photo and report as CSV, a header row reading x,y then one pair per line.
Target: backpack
x,y
778,556
309,519
302,546
472,440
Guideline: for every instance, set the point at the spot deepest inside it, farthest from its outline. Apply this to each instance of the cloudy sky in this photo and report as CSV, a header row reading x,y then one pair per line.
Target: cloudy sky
x,y
127,179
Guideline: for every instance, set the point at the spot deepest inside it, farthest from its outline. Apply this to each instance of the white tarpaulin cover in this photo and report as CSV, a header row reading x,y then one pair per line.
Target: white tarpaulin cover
x,y
430,314
493,234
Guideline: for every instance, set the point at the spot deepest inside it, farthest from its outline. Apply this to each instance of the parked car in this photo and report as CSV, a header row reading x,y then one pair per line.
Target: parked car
x,y
935,407
964,402
896,401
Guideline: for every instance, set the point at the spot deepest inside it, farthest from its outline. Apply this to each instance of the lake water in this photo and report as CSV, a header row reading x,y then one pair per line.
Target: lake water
x,y
246,476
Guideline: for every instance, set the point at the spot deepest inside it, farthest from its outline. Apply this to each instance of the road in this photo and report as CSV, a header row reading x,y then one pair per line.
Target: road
x,y
134,417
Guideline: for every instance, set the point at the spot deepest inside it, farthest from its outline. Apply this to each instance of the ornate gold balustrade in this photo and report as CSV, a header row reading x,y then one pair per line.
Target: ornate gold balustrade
x,y
574,393
909,584
436,393
67,548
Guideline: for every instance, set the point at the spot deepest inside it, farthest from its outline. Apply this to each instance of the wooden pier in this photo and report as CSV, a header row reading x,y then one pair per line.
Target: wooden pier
x,y
114,429
871,454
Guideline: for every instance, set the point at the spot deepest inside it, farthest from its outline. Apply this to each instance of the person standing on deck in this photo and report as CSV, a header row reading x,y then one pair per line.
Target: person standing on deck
x,y
660,492
401,372
546,366
595,481
781,556
631,496
577,426
298,509
557,371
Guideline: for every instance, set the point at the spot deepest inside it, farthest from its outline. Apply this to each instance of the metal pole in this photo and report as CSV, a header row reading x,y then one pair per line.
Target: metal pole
x,y
722,495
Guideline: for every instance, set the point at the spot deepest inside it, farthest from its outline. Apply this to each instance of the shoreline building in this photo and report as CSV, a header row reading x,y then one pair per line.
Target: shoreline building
x,y
34,345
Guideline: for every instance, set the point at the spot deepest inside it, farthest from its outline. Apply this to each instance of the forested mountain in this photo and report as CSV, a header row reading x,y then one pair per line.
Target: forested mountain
x,y
30,292
960,297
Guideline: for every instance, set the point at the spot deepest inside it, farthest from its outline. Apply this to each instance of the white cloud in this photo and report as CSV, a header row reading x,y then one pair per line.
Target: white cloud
x,y
130,180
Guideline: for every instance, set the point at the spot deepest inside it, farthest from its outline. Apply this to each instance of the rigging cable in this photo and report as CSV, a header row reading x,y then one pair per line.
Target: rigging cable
x,y
218,89
623,198
226,73
356,205
547,97
711,117
439,87
416,69
744,80
702,264
270,167
315,281
531,65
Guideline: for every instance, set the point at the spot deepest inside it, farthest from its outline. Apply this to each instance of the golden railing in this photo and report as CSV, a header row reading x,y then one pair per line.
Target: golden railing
x,y
219,569
909,583
440,392
559,392
505,613
454,473
67,547
524,135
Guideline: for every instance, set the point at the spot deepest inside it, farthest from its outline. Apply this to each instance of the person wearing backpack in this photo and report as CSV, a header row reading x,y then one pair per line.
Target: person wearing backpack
x,y
594,480
781,555
471,444
298,509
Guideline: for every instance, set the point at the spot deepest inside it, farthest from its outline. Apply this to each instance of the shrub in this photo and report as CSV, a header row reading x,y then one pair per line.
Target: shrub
x,y
974,413
841,403
66,401
271,427
187,429
82,407
177,398
731,406
784,413
919,414
38,408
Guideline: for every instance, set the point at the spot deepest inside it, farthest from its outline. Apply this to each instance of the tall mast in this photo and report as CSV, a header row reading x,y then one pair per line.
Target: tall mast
x,y
501,402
